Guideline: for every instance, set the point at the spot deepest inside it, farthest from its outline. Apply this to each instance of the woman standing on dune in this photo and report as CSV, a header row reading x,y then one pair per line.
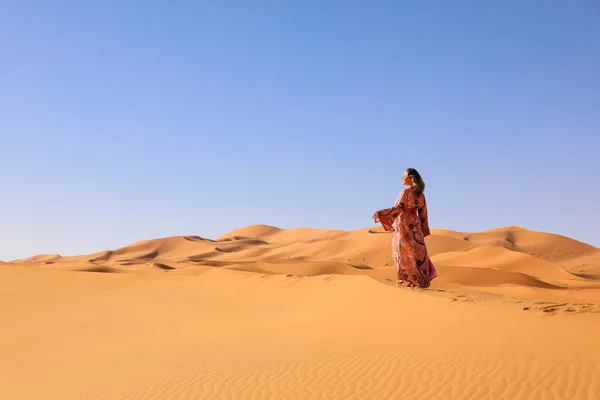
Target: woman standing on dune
x,y
413,266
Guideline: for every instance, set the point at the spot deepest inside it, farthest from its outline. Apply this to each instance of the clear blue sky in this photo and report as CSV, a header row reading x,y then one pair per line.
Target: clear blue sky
x,y
128,120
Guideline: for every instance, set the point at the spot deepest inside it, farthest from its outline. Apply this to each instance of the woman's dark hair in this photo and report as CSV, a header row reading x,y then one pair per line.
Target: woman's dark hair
x,y
417,182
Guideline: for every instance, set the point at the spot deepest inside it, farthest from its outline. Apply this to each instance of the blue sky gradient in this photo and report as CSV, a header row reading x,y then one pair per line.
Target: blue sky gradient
x,y
129,120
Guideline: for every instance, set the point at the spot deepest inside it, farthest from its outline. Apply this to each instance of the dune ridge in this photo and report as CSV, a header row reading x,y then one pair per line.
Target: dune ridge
x,y
512,261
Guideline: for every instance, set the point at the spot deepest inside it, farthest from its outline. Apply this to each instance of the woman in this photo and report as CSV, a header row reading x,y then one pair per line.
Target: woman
x,y
413,266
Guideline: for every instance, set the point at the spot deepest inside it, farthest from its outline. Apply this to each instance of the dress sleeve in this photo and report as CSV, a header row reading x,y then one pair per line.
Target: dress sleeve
x,y
387,216
424,218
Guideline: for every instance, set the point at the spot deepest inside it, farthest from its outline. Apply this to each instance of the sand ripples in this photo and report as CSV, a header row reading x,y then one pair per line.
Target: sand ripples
x,y
363,375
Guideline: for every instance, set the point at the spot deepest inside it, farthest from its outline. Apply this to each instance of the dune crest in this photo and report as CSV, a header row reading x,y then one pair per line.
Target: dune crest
x,y
525,263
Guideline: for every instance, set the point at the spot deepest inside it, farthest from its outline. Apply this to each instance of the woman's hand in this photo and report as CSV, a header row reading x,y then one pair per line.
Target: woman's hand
x,y
376,217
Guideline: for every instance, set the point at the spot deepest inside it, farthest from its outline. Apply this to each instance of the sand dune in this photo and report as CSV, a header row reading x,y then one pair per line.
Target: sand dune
x,y
506,260
264,312
510,256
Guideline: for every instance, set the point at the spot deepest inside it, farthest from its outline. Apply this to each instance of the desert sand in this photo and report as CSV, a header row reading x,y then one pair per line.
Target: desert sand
x,y
269,313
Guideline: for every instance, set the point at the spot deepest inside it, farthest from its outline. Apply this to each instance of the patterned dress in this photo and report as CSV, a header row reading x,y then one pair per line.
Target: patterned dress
x,y
408,242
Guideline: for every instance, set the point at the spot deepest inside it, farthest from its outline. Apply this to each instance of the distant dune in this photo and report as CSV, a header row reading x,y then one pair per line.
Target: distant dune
x,y
504,259
264,312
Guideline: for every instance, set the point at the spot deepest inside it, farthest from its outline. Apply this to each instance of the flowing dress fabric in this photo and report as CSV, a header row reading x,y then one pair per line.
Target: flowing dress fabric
x,y
408,242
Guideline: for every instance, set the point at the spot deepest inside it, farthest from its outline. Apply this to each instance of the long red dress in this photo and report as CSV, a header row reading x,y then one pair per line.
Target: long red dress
x,y
408,242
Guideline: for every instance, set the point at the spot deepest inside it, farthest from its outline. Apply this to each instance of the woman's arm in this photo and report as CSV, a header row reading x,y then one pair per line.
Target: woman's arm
x,y
424,218
387,216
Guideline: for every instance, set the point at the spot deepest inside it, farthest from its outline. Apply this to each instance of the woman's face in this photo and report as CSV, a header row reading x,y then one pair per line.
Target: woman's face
x,y
406,180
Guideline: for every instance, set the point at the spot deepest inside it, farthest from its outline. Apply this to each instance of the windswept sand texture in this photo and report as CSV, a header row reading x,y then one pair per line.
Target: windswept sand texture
x,y
305,314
